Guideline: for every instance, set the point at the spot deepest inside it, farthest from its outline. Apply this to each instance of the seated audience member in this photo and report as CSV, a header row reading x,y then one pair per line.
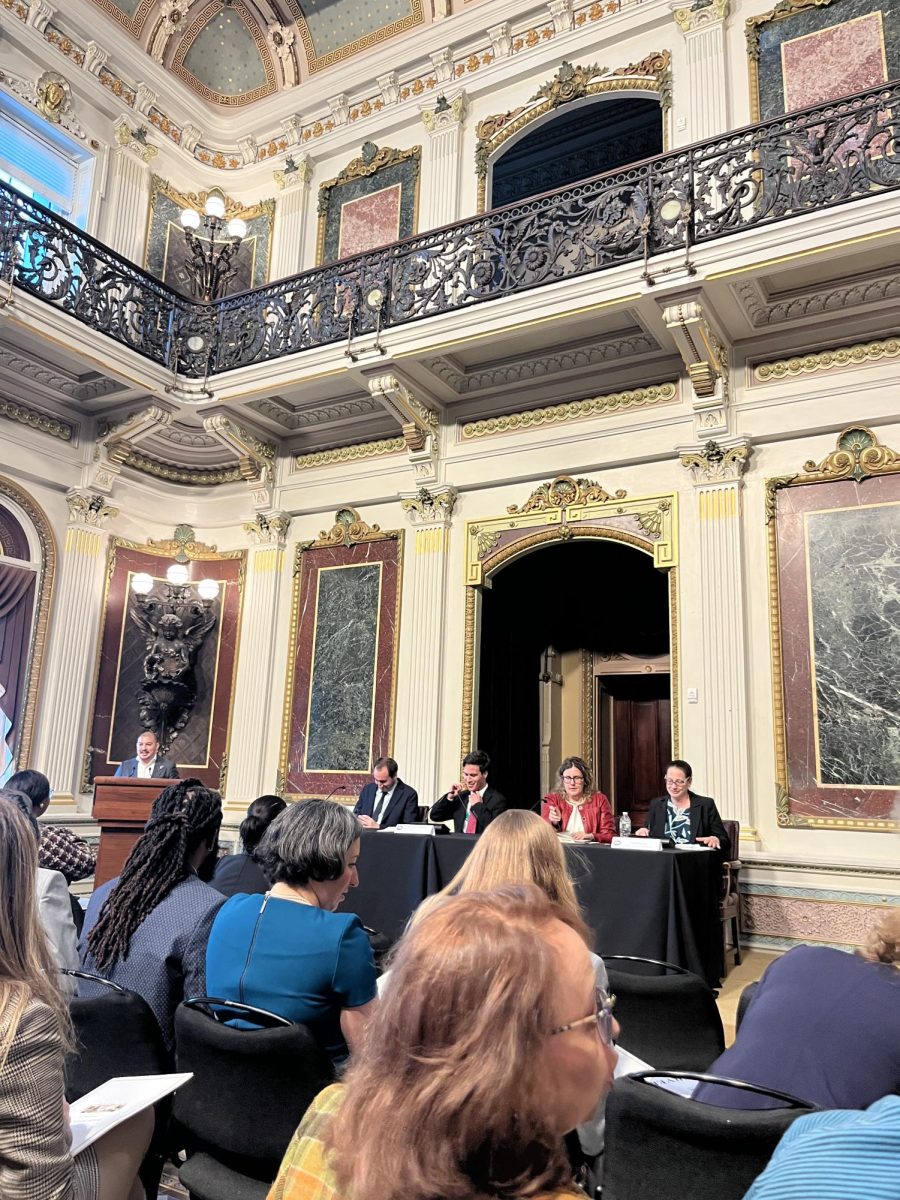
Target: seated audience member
x,y
147,930
491,1043
289,951
836,1155
35,1163
54,909
241,873
147,764
574,809
60,849
474,803
387,800
823,1025
684,815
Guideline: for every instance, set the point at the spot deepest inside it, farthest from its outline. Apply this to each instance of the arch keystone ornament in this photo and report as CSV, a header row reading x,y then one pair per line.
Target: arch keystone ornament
x,y
567,509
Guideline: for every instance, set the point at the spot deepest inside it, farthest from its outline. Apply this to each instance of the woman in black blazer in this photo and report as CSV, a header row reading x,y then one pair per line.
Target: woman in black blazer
x,y
684,815
241,874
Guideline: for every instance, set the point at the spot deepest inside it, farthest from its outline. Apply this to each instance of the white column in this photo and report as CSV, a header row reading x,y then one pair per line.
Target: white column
x,y
125,212
70,665
419,723
716,471
291,219
706,86
444,124
246,777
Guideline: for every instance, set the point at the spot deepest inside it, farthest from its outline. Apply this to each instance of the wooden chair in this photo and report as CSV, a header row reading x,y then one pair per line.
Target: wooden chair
x,y
730,899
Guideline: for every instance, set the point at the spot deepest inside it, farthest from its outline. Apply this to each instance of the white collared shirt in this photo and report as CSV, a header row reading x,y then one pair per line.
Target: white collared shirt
x,y
385,804
145,770
475,798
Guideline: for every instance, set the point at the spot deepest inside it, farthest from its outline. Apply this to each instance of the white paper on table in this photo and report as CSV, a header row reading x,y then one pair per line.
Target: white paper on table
x,y
115,1101
628,1063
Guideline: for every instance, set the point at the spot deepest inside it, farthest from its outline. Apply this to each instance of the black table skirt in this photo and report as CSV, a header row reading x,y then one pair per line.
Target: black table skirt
x,y
661,905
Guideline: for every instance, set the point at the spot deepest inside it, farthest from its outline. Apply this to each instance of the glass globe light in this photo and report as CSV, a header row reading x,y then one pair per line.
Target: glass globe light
x,y
208,589
190,219
236,228
178,574
142,583
215,204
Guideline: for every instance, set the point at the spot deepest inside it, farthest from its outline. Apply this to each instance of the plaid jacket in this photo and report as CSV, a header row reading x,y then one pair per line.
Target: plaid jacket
x,y
62,850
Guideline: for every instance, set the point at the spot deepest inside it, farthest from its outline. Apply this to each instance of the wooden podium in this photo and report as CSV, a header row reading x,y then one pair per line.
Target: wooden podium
x,y
121,807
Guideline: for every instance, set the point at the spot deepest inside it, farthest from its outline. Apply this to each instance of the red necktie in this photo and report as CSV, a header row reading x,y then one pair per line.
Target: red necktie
x,y
470,820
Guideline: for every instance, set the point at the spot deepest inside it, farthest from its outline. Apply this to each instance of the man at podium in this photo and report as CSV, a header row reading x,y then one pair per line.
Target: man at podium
x,y
147,764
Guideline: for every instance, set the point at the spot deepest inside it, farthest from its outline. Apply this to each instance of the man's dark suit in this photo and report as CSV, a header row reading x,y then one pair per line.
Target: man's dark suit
x,y
162,769
703,816
403,806
492,804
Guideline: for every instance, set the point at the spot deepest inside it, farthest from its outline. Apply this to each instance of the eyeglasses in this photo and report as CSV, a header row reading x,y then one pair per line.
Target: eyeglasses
x,y
573,778
603,1018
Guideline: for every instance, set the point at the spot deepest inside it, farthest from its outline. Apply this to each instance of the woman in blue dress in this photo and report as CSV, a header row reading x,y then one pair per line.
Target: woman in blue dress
x,y
289,951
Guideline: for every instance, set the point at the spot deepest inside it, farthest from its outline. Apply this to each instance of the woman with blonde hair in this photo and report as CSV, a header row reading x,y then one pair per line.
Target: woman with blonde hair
x,y
493,1038
35,1163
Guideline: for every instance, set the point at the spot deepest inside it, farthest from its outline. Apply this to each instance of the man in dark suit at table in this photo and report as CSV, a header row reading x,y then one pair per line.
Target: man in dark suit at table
x,y
387,800
472,804
147,764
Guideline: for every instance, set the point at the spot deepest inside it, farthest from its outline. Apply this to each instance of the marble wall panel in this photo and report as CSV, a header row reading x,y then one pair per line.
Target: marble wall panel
x,y
342,675
780,917
370,221
382,206
201,748
838,579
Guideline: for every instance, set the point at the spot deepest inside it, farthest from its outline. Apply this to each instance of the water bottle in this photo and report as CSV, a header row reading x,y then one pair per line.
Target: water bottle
x,y
625,825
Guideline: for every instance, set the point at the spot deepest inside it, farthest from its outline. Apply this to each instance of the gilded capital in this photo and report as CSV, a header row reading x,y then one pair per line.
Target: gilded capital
x,y
268,528
700,14
714,463
89,508
446,114
430,506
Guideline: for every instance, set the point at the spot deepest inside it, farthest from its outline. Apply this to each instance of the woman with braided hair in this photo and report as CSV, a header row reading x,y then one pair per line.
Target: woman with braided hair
x,y
147,930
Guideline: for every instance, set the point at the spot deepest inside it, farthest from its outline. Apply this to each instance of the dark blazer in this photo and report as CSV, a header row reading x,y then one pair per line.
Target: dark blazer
x,y
703,816
403,806
162,769
239,874
493,803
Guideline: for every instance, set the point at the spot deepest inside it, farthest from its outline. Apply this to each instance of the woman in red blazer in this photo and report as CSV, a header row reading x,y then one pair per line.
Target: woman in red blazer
x,y
573,808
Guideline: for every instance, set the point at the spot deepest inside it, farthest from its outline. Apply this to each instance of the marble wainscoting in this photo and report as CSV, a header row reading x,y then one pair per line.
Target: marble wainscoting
x,y
777,917
342,673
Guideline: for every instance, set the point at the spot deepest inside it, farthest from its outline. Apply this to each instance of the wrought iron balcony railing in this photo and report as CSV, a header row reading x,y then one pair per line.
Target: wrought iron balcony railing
x,y
801,163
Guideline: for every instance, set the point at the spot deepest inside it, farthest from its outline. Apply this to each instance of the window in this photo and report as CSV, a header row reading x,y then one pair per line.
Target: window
x,y
43,162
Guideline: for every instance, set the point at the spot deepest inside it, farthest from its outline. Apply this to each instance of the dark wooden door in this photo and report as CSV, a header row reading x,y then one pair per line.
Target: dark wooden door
x,y
634,714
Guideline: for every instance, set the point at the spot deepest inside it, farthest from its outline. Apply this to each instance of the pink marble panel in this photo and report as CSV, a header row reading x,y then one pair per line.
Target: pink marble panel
x,y
810,920
370,221
837,61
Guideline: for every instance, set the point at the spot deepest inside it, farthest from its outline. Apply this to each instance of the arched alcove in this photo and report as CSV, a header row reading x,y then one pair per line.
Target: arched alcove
x,y
586,138
27,565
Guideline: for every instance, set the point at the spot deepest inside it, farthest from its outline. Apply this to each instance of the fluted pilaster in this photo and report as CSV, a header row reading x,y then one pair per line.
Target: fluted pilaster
x,y
291,216
444,124
129,198
707,83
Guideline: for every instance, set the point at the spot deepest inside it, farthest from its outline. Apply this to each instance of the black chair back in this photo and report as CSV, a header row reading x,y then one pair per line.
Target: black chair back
x,y
249,1091
666,1146
670,1021
116,1034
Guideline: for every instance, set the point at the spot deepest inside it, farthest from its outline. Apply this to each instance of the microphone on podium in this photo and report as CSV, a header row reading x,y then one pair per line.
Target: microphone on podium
x,y
341,787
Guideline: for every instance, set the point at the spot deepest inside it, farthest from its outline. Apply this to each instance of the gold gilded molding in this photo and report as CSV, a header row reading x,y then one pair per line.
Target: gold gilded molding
x,y
577,410
652,74
35,419
838,358
562,492
372,160
562,510
341,454
588,688
858,455
192,476
349,529
197,201
43,597
752,29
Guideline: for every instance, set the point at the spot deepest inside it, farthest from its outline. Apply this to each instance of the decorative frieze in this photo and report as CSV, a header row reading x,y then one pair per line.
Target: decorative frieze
x,y
840,358
576,410
34,419
344,454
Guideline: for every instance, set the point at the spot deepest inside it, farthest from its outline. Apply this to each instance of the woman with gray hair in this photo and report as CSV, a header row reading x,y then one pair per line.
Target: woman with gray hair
x,y
289,951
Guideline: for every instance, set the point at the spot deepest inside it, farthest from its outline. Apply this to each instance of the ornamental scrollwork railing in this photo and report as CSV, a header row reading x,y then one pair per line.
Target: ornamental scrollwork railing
x,y
793,165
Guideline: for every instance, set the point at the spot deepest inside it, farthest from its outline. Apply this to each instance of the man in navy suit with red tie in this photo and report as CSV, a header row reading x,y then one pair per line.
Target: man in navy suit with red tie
x,y
387,800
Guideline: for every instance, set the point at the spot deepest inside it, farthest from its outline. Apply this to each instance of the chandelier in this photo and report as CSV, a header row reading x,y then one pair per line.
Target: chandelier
x,y
211,264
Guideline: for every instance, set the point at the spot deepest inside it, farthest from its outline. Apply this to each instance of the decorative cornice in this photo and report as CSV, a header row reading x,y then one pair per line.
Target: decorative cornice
x,y
35,419
342,454
716,464
283,414
763,311
88,508
562,492
349,529
430,506
577,410
268,529
40,372
839,358
700,14
192,476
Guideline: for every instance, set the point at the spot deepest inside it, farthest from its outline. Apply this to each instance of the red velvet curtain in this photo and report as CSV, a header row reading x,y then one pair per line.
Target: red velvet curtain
x,y
17,591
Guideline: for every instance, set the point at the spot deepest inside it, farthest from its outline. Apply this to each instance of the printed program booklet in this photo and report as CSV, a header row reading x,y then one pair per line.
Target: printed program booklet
x,y
114,1102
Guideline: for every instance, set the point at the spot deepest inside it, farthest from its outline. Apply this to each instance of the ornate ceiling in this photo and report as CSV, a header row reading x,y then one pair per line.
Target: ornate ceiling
x,y
234,52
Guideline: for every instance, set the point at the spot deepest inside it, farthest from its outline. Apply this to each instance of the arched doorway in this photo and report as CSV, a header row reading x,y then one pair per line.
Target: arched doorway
x,y
605,691
584,139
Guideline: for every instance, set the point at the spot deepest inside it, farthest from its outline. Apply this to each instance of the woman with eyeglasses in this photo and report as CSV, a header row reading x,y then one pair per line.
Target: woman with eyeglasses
x,y
574,809
492,1038
683,815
